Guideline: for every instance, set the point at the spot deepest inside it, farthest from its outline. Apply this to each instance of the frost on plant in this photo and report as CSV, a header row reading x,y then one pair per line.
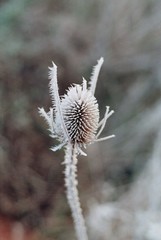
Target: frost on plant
x,y
74,118
74,121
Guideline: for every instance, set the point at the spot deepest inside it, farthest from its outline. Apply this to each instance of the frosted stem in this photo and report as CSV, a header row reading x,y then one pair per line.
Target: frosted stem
x,y
72,191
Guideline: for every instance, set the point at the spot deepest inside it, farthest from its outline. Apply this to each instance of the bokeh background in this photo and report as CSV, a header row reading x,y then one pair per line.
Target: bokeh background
x,y
120,180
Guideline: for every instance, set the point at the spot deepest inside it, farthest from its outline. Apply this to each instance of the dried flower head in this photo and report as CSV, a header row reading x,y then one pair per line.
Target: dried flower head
x,y
74,121
74,117
80,114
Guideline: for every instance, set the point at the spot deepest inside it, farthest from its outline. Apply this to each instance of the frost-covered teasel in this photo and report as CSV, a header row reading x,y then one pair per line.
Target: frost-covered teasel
x,y
74,121
74,117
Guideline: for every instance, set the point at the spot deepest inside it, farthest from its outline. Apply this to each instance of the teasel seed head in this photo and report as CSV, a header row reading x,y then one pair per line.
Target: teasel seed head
x,y
81,114
74,117
74,121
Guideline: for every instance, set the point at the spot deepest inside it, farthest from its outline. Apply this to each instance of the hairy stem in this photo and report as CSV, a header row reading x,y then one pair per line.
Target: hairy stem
x,y
72,191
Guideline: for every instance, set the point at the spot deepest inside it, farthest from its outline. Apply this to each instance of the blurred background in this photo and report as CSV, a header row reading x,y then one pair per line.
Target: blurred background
x,y
120,179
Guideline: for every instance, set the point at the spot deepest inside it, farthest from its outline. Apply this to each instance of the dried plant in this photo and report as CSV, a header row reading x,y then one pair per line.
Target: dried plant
x,y
74,121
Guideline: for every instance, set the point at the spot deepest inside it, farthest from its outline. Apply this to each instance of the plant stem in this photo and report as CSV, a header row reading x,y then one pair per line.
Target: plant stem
x,y
72,191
